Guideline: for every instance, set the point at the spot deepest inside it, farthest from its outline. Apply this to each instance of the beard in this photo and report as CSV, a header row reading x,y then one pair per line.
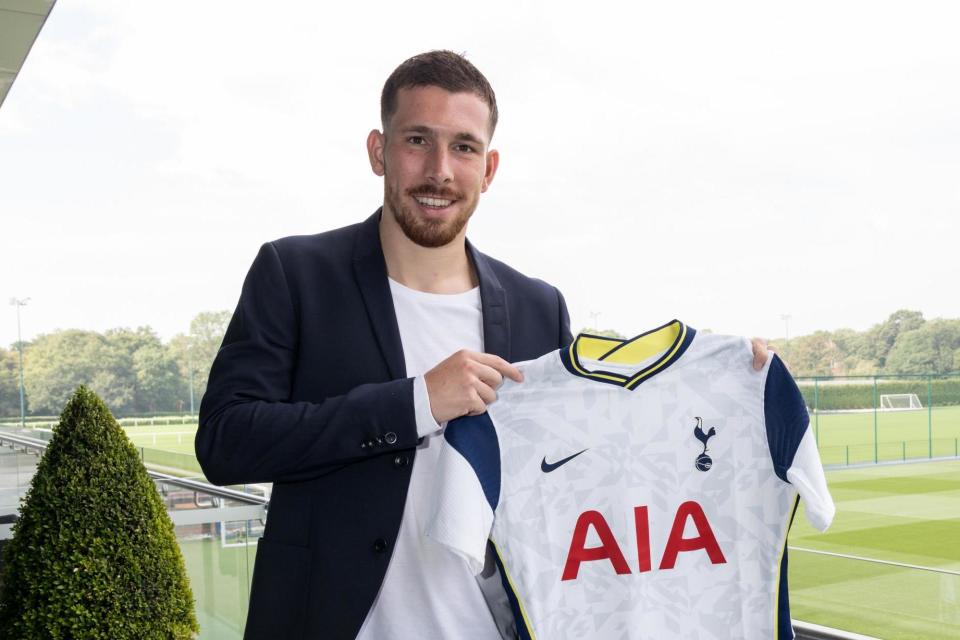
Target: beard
x,y
429,233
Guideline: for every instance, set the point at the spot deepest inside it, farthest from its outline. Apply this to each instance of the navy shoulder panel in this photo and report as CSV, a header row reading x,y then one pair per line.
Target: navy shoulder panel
x,y
476,439
786,416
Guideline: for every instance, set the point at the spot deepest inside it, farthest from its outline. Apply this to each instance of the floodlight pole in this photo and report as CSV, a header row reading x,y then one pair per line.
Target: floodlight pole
x,y
20,303
786,325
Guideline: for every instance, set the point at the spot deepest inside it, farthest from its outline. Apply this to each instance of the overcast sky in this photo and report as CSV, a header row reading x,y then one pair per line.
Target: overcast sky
x,y
721,163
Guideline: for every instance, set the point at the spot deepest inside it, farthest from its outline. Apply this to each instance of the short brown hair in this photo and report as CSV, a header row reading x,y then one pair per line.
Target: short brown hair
x,y
444,69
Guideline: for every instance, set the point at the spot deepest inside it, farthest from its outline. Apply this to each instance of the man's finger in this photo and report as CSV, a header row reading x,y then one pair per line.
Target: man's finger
x,y
487,394
477,405
760,353
488,375
506,369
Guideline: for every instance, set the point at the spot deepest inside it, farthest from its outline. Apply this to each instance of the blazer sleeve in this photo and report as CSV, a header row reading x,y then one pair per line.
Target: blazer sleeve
x,y
250,430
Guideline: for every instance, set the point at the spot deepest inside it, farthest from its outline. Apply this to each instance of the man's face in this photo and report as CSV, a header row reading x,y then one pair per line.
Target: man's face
x,y
435,162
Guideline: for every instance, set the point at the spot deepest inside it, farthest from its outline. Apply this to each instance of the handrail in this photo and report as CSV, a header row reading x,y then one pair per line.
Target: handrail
x,y
23,440
205,487
196,485
903,565
810,631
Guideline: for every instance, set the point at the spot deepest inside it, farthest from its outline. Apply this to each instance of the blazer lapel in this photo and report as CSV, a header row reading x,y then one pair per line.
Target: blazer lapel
x,y
370,270
493,301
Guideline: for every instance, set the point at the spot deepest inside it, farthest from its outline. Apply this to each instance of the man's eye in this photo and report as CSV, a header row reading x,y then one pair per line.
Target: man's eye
x,y
464,148
416,140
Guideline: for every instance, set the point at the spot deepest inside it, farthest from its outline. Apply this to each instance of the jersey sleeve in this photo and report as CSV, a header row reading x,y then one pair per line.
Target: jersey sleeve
x,y
467,488
806,474
793,449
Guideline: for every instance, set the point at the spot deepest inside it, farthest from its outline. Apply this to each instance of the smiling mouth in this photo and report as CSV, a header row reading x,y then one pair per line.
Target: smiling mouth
x,y
433,203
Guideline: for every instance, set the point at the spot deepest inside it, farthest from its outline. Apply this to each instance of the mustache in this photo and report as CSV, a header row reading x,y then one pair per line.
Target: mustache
x,y
428,190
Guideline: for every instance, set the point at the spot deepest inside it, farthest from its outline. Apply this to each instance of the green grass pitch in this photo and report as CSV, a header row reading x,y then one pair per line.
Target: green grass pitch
x,y
848,438
901,513
174,437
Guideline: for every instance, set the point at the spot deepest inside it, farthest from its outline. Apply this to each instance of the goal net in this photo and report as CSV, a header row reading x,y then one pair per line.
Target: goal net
x,y
899,401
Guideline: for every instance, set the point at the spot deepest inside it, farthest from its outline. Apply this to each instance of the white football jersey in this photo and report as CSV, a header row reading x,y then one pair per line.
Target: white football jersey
x,y
637,489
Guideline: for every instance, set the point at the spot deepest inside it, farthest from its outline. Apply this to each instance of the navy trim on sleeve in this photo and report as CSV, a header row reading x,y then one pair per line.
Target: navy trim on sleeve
x,y
523,632
476,439
784,623
786,416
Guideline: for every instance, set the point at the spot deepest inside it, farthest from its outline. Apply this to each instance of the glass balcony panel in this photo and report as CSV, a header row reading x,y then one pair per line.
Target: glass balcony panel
x,y
880,600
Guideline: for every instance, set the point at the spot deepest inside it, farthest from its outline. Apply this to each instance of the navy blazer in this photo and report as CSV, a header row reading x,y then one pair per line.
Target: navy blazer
x,y
309,391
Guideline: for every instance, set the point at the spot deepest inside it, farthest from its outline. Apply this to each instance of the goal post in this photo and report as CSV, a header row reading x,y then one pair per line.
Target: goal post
x,y
899,402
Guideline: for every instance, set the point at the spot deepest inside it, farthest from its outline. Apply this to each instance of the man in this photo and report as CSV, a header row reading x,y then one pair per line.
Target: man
x,y
336,374
337,362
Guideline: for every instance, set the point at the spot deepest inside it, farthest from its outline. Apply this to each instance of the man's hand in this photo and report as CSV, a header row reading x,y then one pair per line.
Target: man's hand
x,y
760,353
465,383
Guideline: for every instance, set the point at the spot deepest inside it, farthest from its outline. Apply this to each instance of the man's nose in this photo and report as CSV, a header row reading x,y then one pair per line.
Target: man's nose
x,y
438,167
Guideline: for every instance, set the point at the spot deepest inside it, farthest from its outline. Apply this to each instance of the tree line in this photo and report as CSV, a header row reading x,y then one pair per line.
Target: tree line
x,y
136,373
131,369
904,343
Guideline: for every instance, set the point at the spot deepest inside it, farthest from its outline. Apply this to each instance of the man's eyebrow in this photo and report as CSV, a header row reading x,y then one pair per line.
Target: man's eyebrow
x,y
469,137
417,128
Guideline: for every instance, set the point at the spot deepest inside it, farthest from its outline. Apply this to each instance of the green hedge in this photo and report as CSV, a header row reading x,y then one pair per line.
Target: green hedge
x,y
835,395
93,555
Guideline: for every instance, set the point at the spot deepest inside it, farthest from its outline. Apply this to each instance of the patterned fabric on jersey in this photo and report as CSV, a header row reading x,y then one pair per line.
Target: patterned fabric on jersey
x,y
638,489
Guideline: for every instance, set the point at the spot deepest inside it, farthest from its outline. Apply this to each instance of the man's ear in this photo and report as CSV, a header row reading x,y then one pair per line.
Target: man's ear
x,y
493,161
375,144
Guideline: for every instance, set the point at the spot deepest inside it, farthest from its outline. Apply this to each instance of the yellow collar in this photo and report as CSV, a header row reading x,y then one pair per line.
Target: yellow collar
x,y
652,352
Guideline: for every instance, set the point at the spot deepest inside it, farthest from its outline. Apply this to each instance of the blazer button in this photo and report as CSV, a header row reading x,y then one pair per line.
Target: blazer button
x,y
379,441
379,545
390,437
401,461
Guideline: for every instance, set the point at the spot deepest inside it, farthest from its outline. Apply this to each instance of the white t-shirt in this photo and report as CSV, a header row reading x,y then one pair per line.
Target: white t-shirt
x,y
429,592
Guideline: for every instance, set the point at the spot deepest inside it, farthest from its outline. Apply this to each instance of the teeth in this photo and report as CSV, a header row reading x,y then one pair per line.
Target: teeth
x,y
434,202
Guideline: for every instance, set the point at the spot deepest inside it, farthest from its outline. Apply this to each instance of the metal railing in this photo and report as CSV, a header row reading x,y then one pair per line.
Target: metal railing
x,y
27,442
808,631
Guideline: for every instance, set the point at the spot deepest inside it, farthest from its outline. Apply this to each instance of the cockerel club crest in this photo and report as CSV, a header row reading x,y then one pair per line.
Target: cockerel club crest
x,y
704,462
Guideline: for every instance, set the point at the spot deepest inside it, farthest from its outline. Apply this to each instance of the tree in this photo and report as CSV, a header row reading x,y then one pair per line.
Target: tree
x,y
159,384
850,346
814,355
145,369
194,353
93,554
57,363
10,384
927,349
129,368
881,337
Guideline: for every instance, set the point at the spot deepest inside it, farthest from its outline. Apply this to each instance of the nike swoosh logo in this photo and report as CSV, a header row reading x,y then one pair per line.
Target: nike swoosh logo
x,y
547,467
